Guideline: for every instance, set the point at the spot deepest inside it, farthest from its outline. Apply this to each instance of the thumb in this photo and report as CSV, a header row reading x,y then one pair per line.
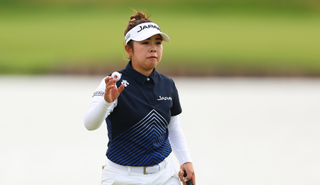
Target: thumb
x,y
121,88
189,176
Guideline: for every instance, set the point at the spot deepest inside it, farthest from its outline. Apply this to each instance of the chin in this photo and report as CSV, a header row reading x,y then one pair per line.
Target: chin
x,y
155,62
152,65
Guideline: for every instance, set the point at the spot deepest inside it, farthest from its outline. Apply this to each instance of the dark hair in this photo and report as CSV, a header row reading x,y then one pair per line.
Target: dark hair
x,y
135,20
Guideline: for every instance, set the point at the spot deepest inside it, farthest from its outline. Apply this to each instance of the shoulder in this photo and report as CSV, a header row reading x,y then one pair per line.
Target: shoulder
x,y
167,84
165,79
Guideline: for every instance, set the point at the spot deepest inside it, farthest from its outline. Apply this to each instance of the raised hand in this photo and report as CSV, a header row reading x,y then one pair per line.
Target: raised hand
x,y
112,92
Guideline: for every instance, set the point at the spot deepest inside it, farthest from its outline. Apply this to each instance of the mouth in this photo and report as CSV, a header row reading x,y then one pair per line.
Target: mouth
x,y
152,57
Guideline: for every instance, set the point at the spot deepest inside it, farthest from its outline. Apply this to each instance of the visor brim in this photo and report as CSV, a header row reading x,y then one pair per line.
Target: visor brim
x,y
149,34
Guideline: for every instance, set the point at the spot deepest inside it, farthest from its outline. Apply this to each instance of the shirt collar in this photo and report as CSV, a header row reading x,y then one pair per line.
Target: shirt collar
x,y
140,77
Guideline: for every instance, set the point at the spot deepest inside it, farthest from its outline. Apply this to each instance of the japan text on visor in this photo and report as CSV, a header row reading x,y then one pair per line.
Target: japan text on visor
x,y
144,31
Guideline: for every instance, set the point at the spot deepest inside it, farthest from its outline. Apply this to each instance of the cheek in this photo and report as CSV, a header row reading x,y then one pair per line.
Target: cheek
x,y
142,49
137,51
160,50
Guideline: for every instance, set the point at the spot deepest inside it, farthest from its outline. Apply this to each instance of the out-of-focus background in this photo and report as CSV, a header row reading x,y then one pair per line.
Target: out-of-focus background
x,y
209,37
247,72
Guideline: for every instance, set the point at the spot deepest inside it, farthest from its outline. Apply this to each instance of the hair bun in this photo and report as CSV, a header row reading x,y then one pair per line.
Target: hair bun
x,y
138,16
135,20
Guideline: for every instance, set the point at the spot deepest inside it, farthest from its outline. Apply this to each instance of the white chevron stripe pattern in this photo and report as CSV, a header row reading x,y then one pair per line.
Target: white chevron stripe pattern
x,y
146,143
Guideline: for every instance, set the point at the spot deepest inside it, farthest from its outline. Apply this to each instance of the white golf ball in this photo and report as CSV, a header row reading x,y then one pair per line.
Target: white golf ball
x,y
116,76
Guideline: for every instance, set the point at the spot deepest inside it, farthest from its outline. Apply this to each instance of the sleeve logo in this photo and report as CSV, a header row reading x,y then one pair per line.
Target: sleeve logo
x,y
98,93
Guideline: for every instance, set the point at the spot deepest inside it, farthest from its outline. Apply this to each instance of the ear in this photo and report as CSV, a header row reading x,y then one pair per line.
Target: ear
x,y
128,49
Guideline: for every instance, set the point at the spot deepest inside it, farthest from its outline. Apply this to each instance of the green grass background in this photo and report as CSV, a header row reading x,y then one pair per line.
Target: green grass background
x,y
236,37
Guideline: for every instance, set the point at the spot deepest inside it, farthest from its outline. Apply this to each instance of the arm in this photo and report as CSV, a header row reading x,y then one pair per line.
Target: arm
x,y
180,149
99,109
103,102
178,141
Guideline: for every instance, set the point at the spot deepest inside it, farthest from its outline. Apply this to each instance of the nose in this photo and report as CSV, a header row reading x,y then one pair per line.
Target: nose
x,y
153,48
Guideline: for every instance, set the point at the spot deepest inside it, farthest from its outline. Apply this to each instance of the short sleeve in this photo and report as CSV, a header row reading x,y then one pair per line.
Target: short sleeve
x,y
176,107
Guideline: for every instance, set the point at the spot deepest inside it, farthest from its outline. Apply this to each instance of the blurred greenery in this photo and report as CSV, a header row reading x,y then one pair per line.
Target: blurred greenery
x,y
229,37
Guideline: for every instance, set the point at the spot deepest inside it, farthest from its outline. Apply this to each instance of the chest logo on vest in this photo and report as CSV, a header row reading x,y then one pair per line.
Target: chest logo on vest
x,y
125,82
164,98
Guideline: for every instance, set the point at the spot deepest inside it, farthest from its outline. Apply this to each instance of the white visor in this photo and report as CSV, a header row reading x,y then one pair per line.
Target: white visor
x,y
144,31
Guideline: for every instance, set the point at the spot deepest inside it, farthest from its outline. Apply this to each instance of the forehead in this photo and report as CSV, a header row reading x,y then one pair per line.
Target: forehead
x,y
156,37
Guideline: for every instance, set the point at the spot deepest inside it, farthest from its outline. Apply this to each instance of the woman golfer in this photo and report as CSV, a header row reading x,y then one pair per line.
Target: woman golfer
x,y
141,112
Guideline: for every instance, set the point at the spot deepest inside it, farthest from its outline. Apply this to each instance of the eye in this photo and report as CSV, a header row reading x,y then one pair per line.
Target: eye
x,y
159,43
145,42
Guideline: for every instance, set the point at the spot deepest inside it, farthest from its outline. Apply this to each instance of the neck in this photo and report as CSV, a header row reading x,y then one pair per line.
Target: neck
x,y
145,72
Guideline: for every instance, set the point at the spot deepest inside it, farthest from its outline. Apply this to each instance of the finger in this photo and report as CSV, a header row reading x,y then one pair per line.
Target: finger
x,y
110,89
189,174
110,79
189,180
121,88
112,85
109,83
193,180
186,175
181,175
107,79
